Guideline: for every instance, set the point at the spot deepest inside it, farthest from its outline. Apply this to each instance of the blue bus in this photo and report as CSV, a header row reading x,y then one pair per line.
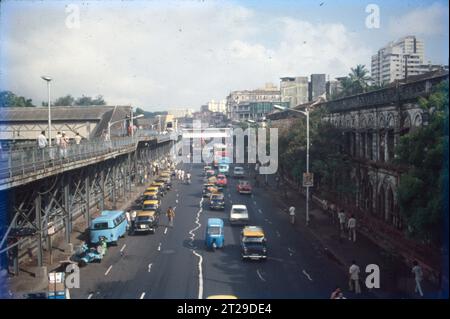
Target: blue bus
x,y
111,224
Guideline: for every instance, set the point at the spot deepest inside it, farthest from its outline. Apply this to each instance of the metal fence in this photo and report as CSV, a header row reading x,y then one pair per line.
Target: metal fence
x,y
28,160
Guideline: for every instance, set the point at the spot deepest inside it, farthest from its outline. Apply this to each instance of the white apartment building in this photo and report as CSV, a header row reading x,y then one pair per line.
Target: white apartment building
x,y
218,106
398,60
294,90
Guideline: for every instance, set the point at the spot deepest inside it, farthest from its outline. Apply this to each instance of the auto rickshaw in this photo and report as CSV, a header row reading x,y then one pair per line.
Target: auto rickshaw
x,y
214,234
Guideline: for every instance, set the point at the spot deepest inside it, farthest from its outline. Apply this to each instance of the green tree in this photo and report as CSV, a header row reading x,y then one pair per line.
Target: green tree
x,y
420,192
87,101
356,82
67,100
9,99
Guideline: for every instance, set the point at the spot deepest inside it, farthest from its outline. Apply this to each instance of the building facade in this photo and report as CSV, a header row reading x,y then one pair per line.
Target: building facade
x,y
240,98
317,86
217,106
294,90
397,60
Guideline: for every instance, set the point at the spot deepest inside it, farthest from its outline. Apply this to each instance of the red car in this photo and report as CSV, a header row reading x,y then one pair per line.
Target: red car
x,y
244,187
221,180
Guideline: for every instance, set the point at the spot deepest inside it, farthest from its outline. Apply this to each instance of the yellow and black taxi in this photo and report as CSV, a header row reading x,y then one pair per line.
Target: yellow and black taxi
x,y
150,196
253,243
151,205
153,189
146,221
160,184
217,201
165,178
208,189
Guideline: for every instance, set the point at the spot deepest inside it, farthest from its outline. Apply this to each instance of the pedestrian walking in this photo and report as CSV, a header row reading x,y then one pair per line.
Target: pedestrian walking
x,y
63,144
133,219
170,215
58,138
128,216
353,282
418,277
342,218
292,214
77,138
352,228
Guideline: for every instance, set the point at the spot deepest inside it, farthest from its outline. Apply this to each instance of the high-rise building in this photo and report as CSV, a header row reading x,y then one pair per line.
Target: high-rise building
x,y
294,90
317,86
398,60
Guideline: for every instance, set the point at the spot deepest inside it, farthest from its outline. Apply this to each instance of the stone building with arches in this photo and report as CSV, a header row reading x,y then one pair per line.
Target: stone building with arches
x,y
372,124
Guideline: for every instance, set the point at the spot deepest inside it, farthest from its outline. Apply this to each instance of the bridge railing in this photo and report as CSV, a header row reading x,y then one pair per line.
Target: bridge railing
x,y
28,160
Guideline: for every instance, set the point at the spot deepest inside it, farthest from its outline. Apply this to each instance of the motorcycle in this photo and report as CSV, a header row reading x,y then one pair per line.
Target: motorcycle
x,y
86,254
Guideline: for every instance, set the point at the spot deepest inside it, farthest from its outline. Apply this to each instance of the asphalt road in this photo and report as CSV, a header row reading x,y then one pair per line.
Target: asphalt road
x,y
174,263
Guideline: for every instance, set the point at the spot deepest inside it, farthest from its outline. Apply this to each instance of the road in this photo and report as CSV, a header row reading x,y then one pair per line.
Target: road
x,y
173,262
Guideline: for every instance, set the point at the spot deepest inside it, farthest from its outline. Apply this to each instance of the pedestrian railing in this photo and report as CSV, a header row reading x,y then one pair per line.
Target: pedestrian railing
x,y
23,161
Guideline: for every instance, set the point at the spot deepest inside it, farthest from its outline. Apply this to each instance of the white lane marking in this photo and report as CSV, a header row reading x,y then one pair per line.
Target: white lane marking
x,y
229,195
307,275
259,210
176,201
175,207
278,234
142,296
177,195
123,247
159,247
254,202
149,267
165,231
200,258
109,269
291,250
270,223
259,275
90,296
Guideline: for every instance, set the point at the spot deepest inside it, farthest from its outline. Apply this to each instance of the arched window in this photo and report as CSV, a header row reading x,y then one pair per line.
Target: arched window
x,y
381,202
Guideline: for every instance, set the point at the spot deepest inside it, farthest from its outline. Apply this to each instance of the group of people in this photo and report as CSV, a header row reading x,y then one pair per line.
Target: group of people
x,y
62,142
345,223
183,175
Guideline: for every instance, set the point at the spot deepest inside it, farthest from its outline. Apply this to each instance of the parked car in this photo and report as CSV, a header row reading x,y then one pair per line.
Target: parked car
x,y
146,221
221,180
217,201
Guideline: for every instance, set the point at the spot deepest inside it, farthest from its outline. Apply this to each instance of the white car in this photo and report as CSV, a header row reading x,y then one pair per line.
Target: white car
x,y
239,214
238,172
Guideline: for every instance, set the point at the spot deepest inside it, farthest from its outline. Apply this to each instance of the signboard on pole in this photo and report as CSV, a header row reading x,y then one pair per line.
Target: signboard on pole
x,y
308,179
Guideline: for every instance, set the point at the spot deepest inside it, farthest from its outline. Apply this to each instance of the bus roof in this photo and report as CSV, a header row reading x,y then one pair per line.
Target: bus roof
x,y
107,215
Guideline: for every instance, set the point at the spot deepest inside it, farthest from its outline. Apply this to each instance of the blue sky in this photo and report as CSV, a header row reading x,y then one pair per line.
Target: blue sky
x,y
162,55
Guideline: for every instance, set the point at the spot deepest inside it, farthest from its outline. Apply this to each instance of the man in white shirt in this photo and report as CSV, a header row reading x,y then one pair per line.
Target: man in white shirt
x,y
418,277
77,138
341,217
42,140
352,228
292,214
354,278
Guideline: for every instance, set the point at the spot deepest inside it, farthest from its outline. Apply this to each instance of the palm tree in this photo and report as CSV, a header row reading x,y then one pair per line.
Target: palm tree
x,y
359,78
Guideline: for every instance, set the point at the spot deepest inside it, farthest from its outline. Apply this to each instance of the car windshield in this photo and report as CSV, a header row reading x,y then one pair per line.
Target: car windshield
x,y
149,207
238,169
214,230
100,225
143,218
244,184
220,177
239,210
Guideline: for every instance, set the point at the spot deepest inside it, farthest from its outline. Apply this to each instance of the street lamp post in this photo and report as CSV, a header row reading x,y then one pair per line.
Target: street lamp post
x,y
306,113
48,79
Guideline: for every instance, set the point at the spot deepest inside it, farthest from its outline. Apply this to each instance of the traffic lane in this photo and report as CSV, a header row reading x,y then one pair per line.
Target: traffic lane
x,y
111,278
225,271
279,274
176,273
302,247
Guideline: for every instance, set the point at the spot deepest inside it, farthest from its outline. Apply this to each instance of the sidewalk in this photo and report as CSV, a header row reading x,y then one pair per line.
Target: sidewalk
x,y
396,280
27,281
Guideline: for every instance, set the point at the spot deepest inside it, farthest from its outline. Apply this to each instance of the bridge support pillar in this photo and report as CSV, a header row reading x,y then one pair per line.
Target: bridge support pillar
x,y
102,189
87,194
38,222
113,194
67,219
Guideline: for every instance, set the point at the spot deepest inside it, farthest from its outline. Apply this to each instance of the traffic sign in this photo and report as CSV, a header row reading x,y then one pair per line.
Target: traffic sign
x,y
308,179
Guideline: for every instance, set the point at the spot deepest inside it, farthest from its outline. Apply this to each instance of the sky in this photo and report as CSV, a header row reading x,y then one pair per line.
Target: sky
x,y
162,55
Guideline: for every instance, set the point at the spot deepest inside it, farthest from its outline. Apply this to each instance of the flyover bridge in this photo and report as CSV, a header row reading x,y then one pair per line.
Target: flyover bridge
x,y
42,192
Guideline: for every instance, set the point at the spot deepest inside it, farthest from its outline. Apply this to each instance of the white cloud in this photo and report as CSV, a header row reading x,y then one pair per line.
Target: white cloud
x,y
426,21
153,54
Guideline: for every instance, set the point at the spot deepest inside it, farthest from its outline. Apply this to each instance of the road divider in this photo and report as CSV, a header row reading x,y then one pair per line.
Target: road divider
x,y
200,258
307,275
259,275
